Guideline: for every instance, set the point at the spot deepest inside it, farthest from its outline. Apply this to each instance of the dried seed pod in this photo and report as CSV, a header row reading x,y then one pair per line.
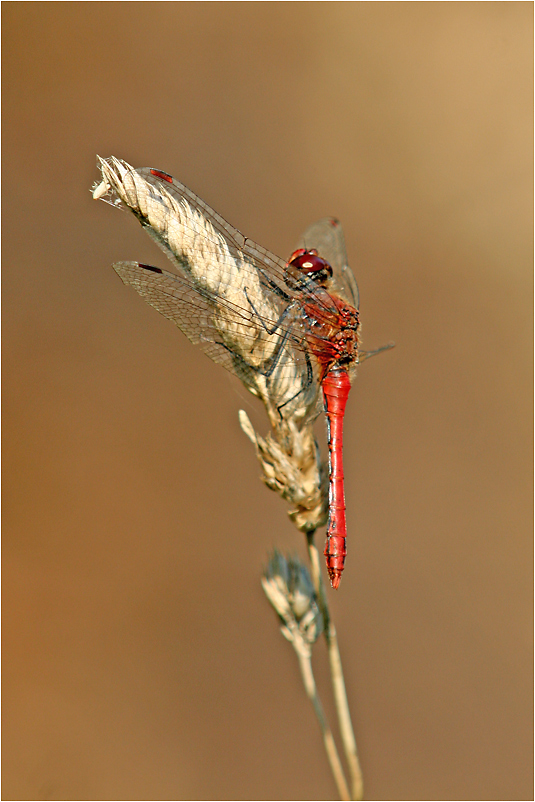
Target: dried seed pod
x,y
288,586
292,467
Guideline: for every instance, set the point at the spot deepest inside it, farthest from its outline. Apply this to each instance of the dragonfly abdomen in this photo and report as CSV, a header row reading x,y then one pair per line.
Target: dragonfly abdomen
x,y
336,386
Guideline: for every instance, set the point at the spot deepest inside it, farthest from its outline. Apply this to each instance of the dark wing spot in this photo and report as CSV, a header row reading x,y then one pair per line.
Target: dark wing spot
x,y
149,267
161,174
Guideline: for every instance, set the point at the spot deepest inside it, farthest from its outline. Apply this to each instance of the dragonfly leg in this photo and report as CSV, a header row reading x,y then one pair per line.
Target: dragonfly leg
x,y
310,378
259,316
274,286
269,366
271,363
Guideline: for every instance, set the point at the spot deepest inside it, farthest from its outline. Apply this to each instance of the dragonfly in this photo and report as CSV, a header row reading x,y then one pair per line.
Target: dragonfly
x,y
289,329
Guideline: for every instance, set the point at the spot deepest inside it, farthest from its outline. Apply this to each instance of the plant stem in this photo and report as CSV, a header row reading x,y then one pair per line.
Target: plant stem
x,y
337,676
344,718
328,740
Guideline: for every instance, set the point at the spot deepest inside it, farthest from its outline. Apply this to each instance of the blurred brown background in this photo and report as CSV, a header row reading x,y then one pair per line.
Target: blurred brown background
x,y
134,666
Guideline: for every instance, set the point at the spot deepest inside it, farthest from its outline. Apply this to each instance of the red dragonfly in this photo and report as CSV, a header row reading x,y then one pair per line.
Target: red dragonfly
x,y
285,328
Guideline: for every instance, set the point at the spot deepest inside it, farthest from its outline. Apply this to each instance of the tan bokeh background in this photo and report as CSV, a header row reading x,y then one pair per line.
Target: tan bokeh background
x,y
141,660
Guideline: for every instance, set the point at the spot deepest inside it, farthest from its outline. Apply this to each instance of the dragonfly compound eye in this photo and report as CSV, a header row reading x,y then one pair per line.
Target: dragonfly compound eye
x,y
309,265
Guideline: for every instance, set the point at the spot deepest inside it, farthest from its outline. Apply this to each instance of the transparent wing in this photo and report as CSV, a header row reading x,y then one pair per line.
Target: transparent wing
x,y
179,301
327,237
267,361
230,295
200,243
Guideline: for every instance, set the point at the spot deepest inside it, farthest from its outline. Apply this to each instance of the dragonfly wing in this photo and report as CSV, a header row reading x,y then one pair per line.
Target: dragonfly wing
x,y
223,278
199,242
181,302
327,237
265,362
184,226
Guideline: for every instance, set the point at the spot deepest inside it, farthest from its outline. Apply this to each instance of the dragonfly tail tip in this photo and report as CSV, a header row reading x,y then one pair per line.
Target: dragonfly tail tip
x,y
335,577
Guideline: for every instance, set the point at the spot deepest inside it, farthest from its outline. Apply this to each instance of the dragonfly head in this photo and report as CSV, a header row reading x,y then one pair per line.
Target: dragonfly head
x,y
307,264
